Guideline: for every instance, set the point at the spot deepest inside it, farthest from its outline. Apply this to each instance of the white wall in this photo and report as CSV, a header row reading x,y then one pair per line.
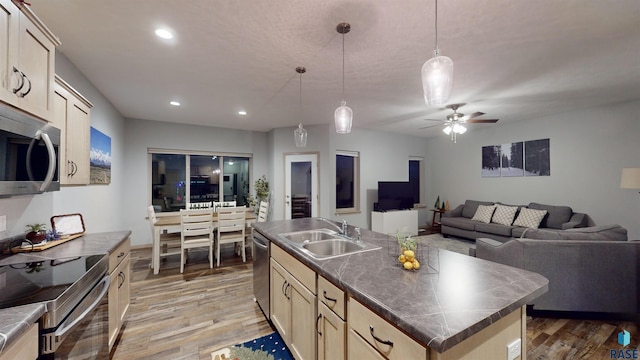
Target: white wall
x,y
140,135
100,205
589,148
383,157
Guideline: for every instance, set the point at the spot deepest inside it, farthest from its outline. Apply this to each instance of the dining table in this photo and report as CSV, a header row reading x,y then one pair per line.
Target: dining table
x,y
170,223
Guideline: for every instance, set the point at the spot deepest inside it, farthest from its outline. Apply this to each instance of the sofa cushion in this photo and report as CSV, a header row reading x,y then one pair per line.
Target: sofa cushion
x,y
530,218
517,231
504,215
556,215
470,207
496,229
484,213
459,223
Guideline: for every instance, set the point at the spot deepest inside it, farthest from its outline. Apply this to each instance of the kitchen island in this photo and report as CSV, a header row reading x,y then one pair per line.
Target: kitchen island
x,y
450,310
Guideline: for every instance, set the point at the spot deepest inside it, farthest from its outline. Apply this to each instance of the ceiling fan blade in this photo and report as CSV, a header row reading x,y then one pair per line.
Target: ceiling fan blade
x,y
434,120
470,116
430,126
482,121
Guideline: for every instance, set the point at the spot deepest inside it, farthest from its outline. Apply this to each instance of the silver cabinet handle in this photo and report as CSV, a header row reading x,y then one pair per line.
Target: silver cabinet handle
x,y
21,76
324,293
386,342
318,321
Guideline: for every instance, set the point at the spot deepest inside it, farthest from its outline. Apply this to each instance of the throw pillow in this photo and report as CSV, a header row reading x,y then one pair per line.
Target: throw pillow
x,y
484,213
504,214
530,218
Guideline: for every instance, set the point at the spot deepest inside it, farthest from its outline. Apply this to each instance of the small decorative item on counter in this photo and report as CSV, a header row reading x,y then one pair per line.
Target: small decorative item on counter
x,y
36,232
408,251
437,204
446,205
53,235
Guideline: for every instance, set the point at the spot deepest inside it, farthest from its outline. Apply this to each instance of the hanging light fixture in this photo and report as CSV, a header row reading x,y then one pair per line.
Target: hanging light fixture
x,y
437,75
300,134
344,114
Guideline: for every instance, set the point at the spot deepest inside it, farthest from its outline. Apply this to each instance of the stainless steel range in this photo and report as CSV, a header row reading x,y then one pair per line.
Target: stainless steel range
x,y
74,291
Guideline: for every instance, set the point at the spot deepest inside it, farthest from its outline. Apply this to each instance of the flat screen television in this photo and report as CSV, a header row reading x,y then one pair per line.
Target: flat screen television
x,y
394,195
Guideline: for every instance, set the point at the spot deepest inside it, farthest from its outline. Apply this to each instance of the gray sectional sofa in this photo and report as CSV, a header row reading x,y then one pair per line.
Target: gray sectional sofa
x,y
457,222
593,269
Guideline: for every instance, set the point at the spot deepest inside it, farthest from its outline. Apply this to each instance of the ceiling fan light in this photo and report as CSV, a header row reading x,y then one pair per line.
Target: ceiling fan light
x,y
459,129
437,80
447,130
343,118
300,136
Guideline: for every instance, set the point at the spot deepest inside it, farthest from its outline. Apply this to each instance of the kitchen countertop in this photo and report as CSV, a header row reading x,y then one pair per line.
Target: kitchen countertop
x,y
16,321
438,309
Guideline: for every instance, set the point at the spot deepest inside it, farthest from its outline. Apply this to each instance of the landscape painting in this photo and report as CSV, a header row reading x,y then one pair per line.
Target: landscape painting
x,y
511,159
100,158
491,161
528,158
537,158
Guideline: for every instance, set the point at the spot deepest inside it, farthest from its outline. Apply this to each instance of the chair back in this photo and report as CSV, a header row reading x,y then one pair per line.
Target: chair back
x,y
218,204
231,220
263,211
199,205
196,224
152,217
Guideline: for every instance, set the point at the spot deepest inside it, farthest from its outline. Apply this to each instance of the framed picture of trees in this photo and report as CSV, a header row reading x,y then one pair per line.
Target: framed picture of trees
x,y
528,158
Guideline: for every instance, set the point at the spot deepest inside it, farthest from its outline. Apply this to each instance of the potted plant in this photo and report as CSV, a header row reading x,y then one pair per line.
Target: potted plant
x,y
36,232
261,187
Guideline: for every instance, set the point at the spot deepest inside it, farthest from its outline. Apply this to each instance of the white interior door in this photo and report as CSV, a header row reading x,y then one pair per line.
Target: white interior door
x,y
301,186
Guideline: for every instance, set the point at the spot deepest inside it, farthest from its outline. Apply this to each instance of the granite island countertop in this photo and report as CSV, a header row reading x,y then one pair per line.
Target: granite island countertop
x,y
15,321
438,309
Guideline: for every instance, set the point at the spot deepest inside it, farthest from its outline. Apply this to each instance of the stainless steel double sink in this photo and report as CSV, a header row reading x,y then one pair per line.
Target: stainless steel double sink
x,y
324,243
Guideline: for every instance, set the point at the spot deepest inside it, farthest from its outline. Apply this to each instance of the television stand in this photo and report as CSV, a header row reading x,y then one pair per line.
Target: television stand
x,y
392,221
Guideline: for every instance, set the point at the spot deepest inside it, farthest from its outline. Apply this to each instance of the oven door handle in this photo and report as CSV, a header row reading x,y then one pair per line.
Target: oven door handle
x,y
64,328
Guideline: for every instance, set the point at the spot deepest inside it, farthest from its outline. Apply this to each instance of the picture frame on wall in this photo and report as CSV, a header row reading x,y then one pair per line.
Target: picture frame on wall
x,y
516,159
99,158
512,159
537,159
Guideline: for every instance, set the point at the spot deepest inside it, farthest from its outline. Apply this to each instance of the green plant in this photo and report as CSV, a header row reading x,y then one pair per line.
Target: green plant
x,y
405,240
36,228
261,187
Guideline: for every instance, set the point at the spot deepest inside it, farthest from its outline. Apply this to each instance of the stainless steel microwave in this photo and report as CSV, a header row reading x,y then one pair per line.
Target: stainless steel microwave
x,y
28,154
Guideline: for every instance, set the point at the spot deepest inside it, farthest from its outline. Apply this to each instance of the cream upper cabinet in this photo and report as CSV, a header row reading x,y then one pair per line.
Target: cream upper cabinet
x,y
27,60
293,303
72,117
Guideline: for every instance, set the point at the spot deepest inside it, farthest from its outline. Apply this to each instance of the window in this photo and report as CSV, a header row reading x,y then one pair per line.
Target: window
x,y
212,177
347,182
415,169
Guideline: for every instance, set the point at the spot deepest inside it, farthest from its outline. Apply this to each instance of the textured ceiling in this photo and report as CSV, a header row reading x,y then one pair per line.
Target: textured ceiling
x,y
513,60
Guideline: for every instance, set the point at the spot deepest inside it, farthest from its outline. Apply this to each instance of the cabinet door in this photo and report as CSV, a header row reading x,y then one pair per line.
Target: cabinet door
x,y
331,334
37,62
124,285
303,316
358,348
60,101
9,25
279,302
78,143
113,308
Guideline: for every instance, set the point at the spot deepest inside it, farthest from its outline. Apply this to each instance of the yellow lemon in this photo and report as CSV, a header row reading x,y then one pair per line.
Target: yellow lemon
x,y
416,264
408,265
402,259
409,253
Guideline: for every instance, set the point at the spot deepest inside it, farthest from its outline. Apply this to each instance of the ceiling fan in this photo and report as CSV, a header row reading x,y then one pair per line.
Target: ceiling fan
x,y
454,124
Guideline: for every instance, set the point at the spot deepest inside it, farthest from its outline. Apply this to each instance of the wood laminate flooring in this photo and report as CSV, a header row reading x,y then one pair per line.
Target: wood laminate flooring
x,y
187,316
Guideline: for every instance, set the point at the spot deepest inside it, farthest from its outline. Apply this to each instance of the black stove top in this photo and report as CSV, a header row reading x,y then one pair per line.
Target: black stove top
x,y
46,280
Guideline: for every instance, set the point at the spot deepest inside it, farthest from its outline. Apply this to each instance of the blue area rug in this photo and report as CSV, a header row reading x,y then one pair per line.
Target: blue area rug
x,y
263,348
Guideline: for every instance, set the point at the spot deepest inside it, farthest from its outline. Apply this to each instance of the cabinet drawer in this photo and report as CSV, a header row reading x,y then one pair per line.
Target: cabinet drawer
x,y
119,254
299,270
358,348
331,296
367,324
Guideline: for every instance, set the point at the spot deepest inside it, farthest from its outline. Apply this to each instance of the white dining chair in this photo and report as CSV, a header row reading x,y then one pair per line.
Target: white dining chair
x,y
218,204
263,214
231,229
197,231
169,242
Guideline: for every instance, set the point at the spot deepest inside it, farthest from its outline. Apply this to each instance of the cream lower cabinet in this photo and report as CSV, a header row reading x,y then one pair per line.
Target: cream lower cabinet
x,y
293,303
72,117
330,323
119,294
25,348
27,60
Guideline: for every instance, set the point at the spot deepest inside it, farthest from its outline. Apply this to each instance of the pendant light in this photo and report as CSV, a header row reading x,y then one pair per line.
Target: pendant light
x,y
300,134
344,114
437,75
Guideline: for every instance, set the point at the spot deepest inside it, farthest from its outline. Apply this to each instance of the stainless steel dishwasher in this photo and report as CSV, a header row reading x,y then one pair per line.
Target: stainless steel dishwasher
x,y
261,271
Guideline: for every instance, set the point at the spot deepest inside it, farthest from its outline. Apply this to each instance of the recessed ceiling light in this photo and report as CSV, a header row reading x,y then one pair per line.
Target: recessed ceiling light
x,y
164,33
242,112
174,103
